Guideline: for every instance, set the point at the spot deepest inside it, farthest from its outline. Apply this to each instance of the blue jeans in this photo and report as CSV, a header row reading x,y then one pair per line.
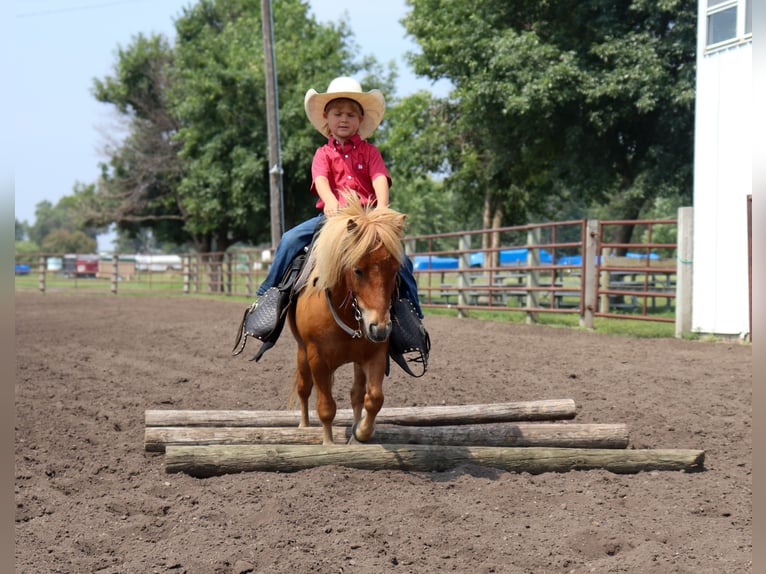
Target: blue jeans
x,y
295,240
408,287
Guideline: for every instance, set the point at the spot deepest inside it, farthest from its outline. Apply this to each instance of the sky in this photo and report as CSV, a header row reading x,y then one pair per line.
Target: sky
x,y
62,45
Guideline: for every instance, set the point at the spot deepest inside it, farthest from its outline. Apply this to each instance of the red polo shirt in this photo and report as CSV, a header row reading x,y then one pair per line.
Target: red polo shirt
x,y
353,166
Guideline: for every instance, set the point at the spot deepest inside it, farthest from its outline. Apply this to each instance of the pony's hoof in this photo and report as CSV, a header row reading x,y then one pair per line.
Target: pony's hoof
x,y
352,439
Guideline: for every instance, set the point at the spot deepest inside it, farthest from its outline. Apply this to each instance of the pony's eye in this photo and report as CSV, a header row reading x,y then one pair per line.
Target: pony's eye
x,y
358,272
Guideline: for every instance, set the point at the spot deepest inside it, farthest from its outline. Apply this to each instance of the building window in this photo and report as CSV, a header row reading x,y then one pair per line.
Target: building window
x,y
728,20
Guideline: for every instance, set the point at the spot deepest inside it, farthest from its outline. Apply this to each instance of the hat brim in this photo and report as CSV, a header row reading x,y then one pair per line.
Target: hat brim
x,y
373,103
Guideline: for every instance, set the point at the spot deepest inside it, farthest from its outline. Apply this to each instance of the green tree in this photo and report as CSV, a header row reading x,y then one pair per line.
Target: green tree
x,y
68,215
21,230
199,106
68,241
139,183
26,247
46,220
414,143
563,103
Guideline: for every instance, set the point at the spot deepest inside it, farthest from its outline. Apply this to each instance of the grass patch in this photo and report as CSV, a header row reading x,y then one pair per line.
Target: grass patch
x,y
611,326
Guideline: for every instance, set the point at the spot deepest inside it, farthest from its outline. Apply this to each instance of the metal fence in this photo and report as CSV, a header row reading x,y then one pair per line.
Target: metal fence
x,y
531,268
573,267
562,267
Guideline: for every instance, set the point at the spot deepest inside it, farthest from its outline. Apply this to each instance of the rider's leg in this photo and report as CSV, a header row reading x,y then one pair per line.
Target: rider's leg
x,y
410,342
290,246
408,287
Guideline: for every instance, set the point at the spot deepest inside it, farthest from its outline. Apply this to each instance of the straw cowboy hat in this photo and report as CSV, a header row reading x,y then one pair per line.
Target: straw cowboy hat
x,y
373,103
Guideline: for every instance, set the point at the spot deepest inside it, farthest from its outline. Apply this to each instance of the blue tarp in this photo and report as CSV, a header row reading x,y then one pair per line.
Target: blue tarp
x,y
507,257
423,262
511,257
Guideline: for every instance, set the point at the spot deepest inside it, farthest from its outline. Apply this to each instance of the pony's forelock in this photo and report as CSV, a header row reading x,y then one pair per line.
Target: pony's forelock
x,y
349,235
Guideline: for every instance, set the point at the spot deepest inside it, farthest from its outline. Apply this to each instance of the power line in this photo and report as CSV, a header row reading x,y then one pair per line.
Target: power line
x,y
76,8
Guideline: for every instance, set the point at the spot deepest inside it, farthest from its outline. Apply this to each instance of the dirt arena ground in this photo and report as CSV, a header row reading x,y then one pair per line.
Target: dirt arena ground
x,y
89,499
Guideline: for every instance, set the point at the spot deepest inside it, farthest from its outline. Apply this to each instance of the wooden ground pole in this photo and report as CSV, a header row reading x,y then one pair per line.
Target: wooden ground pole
x,y
549,409
569,435
212,460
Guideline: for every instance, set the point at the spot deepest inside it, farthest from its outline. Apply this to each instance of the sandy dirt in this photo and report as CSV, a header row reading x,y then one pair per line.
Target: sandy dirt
x,y
89,499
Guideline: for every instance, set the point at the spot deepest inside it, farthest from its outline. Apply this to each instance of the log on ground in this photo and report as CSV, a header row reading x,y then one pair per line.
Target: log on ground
x,y
547,409
212,460
568,435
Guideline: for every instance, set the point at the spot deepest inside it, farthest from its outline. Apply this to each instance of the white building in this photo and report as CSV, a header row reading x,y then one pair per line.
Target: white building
x,y
722,167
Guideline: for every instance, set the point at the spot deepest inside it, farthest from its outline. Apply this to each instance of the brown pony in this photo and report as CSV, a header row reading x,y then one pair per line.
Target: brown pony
x,y
342,314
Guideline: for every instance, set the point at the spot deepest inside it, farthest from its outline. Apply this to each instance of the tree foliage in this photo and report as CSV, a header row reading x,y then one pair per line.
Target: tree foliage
x,y
20,230
64,227
195,162
415,142
68,241
563,103
558,110
139,183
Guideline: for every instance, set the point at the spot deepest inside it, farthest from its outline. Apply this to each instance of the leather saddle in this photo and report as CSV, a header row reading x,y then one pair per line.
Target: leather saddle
x,y
265,318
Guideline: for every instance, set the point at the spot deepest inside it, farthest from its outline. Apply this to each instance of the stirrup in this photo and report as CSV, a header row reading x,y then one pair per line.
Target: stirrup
x,y
409,341
414,355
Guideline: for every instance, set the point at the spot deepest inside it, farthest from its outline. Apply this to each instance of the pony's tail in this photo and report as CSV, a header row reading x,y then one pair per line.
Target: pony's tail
x,y
293,400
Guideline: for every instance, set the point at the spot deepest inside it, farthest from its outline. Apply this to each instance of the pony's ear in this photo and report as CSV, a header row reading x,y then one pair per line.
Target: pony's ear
x,y
400,221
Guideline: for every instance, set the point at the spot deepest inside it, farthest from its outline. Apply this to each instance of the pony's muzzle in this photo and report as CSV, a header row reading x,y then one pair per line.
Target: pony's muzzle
x,y
379,332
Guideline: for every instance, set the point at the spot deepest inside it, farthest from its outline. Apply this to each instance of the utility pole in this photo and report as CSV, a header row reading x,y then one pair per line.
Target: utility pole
x,y
272,117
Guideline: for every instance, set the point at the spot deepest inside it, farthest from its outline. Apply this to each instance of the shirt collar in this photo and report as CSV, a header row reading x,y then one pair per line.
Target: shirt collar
x,y
354,140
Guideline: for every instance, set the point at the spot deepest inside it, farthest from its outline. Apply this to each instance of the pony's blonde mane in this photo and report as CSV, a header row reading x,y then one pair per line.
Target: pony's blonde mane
x,y
349,235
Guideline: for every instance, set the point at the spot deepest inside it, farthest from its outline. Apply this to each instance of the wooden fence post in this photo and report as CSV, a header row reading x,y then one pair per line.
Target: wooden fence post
x,y
115,272
684,270
463,279
589,273
533,259
196,273
229,264
186,273
41,271
604,256
249,274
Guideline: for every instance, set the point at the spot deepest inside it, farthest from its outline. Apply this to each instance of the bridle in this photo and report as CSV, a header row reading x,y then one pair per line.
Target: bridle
x,y
355,334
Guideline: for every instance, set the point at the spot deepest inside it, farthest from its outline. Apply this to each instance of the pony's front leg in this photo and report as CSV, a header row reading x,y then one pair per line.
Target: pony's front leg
x,y
358,390
373,400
